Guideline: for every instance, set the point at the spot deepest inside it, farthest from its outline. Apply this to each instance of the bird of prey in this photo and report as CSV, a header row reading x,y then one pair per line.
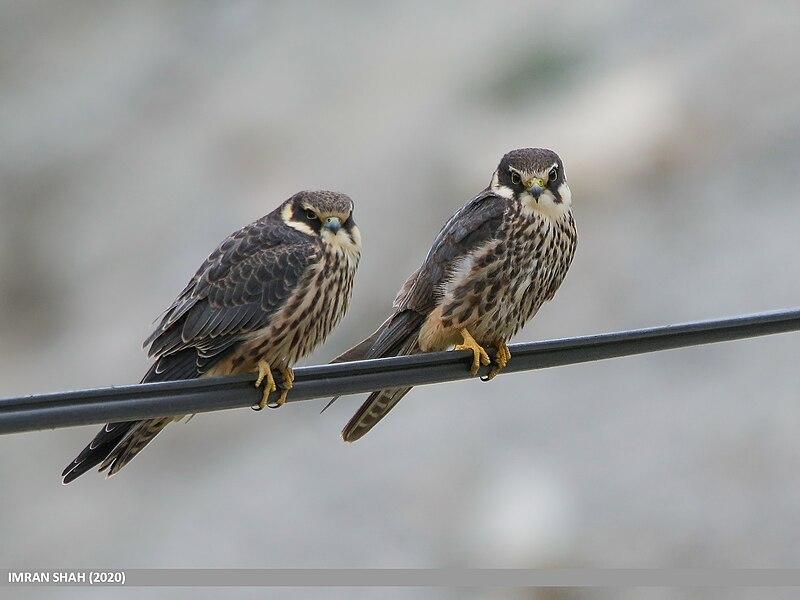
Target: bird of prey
x,y
267,296
493,264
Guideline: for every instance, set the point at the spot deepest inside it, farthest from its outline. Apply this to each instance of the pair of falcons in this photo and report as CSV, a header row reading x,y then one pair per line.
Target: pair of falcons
x,y
273,291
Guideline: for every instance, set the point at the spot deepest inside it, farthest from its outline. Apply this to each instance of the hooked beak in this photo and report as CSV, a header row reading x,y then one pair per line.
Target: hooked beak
x,y
535,186
332,223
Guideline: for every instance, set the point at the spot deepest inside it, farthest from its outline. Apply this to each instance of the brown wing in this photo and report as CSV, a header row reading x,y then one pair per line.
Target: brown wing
x,y
467,230
236,291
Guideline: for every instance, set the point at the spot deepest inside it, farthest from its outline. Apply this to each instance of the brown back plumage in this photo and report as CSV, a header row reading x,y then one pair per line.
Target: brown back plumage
x,y
488,271
272,290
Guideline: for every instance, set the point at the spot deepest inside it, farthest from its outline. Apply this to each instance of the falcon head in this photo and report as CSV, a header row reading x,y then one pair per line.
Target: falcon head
x,y
328,215
535,177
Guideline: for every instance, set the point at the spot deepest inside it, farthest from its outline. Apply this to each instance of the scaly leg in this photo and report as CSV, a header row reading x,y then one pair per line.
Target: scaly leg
x,y
265,372
479,356
501,359
286,384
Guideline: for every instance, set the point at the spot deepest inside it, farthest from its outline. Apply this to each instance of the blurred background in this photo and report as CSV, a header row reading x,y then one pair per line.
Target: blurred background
x,y
135,136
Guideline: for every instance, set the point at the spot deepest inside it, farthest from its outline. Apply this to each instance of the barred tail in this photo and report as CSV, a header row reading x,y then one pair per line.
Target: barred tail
x,y
139,436
373,410
396,337
97,450
114,446
117,443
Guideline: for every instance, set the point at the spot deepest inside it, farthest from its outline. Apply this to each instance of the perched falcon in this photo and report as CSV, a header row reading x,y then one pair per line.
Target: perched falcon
x,y
493,264
267,296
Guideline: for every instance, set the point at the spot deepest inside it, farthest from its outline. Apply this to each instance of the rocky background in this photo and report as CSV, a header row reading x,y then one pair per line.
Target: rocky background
x,y
135,136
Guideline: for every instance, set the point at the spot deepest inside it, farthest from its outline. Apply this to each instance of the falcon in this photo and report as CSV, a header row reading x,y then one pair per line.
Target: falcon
x,y
267,296
493,264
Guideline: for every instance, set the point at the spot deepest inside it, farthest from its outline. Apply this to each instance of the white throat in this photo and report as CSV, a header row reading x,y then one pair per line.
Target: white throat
x,y
546,204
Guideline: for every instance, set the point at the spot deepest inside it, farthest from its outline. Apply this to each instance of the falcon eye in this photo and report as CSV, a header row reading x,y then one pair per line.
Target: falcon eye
x,y
515,178
553,174
311,215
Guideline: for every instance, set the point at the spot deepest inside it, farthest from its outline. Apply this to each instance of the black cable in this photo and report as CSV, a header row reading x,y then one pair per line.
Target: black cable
x,y
133,402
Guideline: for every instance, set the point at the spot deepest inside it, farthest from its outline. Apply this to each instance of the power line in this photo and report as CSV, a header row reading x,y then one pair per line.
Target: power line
x,y
142,401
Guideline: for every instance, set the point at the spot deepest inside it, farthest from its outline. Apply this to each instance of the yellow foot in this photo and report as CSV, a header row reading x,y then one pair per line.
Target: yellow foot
x,y
501,359
288,379
479,356
265,372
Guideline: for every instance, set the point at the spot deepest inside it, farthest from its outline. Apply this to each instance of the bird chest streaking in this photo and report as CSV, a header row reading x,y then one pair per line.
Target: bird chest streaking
x,y
266,297
492,266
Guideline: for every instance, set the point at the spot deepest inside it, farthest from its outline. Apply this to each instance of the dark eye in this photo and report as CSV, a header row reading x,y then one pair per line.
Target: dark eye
x,y
553,174
515,179
311,215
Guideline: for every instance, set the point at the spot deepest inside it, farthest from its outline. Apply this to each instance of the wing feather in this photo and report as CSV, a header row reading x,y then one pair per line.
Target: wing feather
x,y
476,223
238,289
472,226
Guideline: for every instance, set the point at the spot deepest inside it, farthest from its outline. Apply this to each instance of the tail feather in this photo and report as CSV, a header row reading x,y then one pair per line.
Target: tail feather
x,y
359,351
396,337
139,436
97,450
116,444
376,406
